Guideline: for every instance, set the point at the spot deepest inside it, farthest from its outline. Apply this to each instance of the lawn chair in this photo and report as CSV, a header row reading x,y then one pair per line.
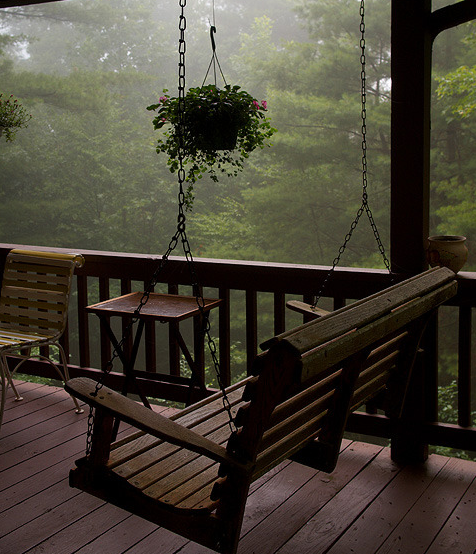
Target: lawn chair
x,y
33,311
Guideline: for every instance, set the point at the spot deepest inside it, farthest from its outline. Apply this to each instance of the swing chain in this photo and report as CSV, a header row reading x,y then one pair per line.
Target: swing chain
x,y
365,202
180,234
363,81
127,332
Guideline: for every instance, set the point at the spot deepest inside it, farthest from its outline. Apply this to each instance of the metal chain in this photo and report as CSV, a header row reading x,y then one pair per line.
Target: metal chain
x,y
365,202
181,221
363,95
127,331
180,234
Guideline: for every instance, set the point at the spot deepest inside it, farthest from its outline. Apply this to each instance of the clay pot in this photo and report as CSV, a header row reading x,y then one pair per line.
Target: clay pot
x,y
447,251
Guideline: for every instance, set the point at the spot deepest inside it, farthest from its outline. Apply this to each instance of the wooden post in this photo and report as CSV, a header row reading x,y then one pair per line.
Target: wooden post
x,y
410,181
414,28
410,128
408,445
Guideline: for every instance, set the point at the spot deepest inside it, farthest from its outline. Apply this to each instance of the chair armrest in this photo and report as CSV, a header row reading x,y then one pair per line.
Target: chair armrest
x,y
149,421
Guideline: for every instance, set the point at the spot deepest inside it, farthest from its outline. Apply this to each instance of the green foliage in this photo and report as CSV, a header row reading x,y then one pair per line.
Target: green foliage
x,y
461,85
298,200
13,116
448,413
219,129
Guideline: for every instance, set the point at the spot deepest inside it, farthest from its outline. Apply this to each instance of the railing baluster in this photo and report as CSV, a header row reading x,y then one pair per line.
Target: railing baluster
x,y
83,322
126,287
279,313
174,349
105,342
430,347
251,326
150,344
464,366
224,336
339,302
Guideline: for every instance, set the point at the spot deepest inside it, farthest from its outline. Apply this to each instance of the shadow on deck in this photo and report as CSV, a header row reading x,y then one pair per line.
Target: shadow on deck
x,y
368,505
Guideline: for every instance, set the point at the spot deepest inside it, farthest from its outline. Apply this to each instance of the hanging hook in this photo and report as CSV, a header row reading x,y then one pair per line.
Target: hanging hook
x,y
212,38
214,61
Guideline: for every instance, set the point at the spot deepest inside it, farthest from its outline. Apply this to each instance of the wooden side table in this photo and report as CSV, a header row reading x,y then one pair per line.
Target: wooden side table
x,y
165,308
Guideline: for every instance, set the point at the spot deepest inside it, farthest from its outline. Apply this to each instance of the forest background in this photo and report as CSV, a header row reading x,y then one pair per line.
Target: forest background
x,y
85,174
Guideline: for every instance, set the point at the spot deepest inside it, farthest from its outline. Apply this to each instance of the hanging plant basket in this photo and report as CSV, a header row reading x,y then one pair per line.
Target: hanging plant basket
x,y
13,116
219,132
221,126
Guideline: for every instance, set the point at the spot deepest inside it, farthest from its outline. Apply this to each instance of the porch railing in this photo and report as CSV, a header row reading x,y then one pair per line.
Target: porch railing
x,y
254,295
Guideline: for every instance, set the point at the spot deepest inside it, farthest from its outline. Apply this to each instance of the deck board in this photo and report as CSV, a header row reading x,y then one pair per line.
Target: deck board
x,y
369,505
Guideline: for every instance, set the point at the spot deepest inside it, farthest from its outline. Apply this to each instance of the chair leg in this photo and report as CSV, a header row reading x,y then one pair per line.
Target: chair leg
x,y
65,376
7,375
3,383
12,384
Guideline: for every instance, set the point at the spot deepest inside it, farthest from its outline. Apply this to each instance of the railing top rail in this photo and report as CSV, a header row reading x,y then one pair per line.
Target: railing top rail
x,y
347,282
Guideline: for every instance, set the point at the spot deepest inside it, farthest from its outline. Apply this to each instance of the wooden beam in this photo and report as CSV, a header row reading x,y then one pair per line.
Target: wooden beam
x,y
410,128
451,16
414,28
13,3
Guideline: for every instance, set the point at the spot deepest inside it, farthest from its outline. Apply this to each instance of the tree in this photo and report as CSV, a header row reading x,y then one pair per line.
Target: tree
x,y
90,131
304,192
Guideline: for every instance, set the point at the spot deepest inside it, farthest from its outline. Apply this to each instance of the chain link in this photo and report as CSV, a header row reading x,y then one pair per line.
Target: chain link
x,y
180,234
181,223
365,203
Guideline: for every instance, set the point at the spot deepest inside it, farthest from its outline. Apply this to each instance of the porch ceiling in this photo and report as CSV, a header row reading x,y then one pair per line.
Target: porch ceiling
x,y
13,3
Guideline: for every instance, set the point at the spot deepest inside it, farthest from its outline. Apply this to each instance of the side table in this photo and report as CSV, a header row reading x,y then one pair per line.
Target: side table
x,y
165,308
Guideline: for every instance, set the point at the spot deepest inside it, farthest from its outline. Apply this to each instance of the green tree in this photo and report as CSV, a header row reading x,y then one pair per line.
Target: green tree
x,y
302,194
85,174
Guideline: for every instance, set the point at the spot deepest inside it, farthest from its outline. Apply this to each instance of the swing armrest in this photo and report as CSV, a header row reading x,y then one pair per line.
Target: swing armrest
x,y
151,422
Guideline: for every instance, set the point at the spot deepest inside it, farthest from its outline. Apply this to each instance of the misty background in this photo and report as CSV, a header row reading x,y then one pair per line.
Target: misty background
x,y
85,173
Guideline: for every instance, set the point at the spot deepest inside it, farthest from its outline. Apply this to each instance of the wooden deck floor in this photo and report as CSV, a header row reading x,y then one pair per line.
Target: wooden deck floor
x,y
368,505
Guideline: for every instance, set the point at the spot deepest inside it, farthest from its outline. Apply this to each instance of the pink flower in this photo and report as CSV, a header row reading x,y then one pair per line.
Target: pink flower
x,y
163,99
264,105
255,104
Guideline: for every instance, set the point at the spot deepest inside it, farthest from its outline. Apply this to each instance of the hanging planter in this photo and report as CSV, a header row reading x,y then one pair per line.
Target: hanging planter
x,y
221,126
13,116
218,132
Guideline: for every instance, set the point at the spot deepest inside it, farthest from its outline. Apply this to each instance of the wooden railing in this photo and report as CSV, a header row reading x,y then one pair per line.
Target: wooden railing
x,y
253,309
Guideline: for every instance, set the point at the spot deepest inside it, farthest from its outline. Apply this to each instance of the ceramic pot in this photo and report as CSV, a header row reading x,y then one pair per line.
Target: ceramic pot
x,y
447,251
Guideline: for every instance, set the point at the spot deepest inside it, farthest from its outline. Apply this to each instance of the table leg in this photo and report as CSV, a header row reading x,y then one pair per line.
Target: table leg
x,y
196,379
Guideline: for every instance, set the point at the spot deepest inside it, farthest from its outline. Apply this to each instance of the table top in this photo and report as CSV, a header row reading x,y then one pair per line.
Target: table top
x,y
161,307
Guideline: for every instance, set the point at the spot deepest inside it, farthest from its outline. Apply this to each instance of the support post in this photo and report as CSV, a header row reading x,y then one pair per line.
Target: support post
x,y
410,128
408,444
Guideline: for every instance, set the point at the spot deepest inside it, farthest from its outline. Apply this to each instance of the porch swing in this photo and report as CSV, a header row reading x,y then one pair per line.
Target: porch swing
x,y
191,474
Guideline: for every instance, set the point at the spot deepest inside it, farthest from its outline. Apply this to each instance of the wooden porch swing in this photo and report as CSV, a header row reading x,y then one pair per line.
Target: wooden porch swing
x,y
191,474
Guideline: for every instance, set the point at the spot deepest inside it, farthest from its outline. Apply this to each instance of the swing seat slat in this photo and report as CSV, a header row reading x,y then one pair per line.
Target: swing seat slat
x,y
190,475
